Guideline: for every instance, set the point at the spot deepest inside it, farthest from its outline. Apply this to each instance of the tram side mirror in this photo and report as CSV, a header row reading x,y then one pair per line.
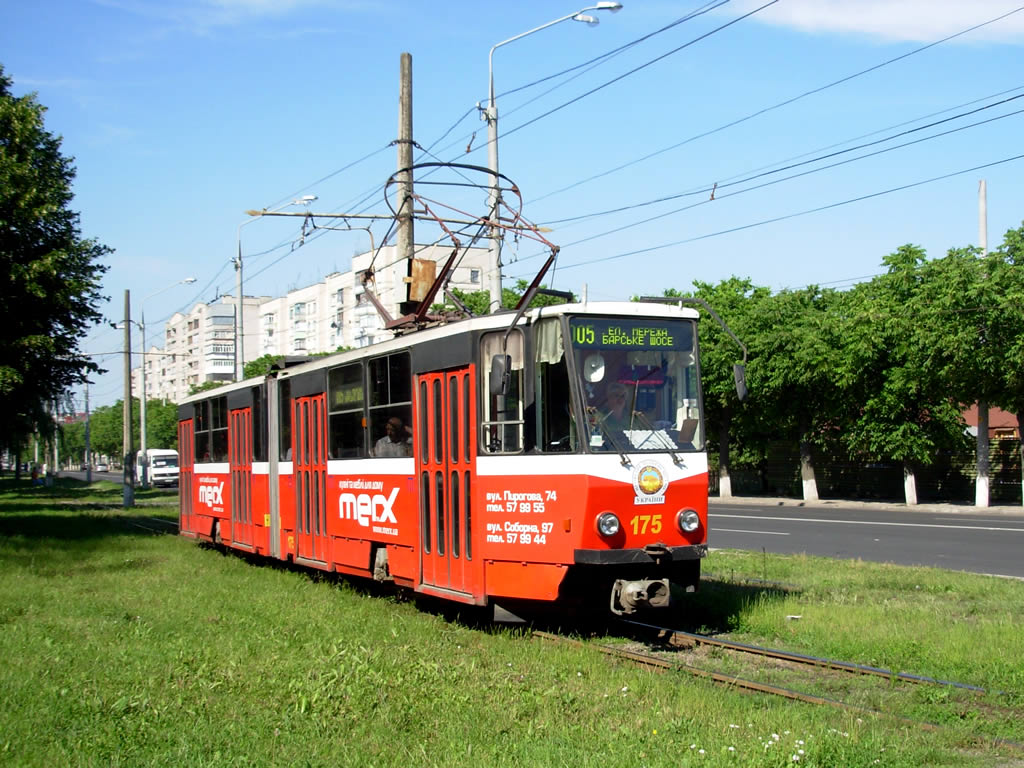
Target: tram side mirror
x,y
497,383
740,374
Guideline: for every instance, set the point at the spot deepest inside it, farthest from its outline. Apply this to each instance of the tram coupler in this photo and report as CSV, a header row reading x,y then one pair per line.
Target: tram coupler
x,y
629,596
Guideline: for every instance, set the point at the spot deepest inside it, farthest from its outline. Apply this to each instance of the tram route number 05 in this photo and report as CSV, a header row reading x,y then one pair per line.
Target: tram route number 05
x,y
641,524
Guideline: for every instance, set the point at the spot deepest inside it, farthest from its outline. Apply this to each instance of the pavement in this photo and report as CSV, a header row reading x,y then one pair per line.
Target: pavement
x,y
955,508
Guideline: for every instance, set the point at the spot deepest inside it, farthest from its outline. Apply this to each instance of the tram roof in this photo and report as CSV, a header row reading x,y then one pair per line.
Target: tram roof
x,y
467,325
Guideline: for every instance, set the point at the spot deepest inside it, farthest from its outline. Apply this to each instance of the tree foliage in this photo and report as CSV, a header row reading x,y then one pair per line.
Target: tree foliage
x,y
49,274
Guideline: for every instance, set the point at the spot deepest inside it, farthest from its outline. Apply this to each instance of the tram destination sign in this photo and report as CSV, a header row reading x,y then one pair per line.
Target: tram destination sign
x,y
626,333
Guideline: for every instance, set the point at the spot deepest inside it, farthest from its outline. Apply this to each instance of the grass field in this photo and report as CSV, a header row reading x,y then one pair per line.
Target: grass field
x,y
126,648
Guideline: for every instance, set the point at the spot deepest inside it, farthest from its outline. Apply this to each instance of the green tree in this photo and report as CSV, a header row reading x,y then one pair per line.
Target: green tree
x,y
1005,271
261,366
49,274
161,424
206,386
898,401
794,372
736,301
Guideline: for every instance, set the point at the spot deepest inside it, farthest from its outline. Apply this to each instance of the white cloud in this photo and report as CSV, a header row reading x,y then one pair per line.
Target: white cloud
x,y
204,16
894,20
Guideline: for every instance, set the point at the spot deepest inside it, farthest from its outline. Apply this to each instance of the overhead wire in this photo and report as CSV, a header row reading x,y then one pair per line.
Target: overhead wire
x,y
773,107
586,66
785,217
713,187
639,68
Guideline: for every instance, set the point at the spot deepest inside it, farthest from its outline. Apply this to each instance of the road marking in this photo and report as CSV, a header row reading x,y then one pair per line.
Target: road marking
x,y
865,522
716,529
983,520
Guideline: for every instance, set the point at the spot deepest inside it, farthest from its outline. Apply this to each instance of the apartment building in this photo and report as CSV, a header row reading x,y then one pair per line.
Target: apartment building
x,y
334,313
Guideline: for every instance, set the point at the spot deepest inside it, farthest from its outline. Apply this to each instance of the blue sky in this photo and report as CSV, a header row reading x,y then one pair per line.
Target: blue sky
x,y
183,114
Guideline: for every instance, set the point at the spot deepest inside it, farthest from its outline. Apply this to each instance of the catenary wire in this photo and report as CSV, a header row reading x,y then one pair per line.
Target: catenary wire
x,y
707,188
773,107
773,220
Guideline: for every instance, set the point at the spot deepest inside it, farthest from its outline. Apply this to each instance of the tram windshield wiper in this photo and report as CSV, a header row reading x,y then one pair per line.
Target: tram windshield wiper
x,y
642,417
607,433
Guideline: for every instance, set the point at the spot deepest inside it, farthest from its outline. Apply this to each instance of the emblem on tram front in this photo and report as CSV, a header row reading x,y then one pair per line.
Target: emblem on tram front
x,y
649,483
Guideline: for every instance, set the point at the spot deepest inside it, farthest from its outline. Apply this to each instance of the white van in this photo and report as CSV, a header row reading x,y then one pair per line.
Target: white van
x,y
163,466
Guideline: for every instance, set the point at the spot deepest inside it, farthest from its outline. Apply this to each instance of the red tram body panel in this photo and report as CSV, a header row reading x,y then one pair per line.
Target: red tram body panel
x,y
560,459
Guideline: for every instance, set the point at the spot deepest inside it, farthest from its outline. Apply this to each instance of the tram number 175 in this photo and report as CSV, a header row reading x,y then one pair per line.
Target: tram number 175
x,y
642,523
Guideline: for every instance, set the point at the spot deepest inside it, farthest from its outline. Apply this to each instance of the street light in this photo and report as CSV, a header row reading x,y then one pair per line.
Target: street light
x,y
491,115
240,303
142,408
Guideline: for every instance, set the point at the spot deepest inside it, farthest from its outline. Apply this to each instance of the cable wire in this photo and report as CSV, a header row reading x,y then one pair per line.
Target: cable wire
x,y
773,107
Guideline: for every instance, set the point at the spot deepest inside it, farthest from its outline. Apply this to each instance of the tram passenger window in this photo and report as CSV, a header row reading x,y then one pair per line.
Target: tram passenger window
x,y
219,429
345,401
501,422
284,410
201,426
390,397
555,428
259,425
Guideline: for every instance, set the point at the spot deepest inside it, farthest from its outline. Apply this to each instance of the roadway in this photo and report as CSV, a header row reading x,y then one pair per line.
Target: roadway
x,y
940,535
955,537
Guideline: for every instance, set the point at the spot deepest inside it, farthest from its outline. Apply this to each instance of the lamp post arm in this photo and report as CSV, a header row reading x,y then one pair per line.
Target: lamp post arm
x,y
490,57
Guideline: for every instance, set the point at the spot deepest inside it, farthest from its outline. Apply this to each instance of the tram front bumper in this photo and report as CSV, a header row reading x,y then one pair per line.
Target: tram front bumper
x,y
646,556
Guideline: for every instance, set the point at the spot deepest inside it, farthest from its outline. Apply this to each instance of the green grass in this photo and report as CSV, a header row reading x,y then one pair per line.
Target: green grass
x,y
126,648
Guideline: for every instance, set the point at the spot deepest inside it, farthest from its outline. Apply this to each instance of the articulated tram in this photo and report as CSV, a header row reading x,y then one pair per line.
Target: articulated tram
x,y
508,474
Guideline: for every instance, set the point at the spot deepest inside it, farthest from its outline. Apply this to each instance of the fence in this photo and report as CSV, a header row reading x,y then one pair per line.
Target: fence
x,y
950,478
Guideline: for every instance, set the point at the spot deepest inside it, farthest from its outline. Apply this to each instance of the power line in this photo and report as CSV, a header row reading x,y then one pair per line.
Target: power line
x,y
637,69
780,104
785,217
712,188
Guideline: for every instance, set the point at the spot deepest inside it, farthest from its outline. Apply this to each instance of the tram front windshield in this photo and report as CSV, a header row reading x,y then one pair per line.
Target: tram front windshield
x,y
639,382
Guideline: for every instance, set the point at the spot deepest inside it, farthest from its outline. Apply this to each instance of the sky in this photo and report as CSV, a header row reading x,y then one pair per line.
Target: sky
x,y
181,115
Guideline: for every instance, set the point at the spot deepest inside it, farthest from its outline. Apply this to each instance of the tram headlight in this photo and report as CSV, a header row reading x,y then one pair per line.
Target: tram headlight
x,y
688,520
608,524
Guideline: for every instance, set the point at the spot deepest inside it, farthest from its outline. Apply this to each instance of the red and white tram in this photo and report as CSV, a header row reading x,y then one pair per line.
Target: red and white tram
x,y
513,475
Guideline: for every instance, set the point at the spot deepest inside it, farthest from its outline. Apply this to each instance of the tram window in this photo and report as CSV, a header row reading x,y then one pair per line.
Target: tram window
x,y
284,409
454,492
259,425
425,508
553,408
467,432
438,423
390,396
502,417
453,415
424,435
346,396
219,429
467,496
201,421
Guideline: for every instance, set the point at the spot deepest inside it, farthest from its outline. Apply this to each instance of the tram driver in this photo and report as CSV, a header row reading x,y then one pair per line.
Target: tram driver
x,y
397,442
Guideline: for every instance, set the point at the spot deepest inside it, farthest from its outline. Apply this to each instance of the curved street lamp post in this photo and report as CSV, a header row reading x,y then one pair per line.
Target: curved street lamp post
x,y
491,115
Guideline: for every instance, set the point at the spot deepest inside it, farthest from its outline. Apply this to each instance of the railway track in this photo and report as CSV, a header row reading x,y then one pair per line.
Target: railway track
x,y
688,639
664,664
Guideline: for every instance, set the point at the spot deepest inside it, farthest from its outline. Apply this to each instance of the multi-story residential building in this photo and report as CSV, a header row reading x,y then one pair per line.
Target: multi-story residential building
x,y
199,346
334,313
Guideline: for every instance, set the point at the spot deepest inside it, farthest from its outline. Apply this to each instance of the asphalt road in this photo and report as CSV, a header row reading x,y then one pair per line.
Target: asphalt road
x,y
945,536
942,535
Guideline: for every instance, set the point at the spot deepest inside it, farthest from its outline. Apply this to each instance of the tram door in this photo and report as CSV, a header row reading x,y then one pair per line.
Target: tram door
x,y
309,457
240,462
445,453
186,477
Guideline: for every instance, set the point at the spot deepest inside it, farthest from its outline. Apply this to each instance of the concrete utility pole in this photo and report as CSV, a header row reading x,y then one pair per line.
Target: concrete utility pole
x,y
404,235
981,494
88,452
129,463
239,314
